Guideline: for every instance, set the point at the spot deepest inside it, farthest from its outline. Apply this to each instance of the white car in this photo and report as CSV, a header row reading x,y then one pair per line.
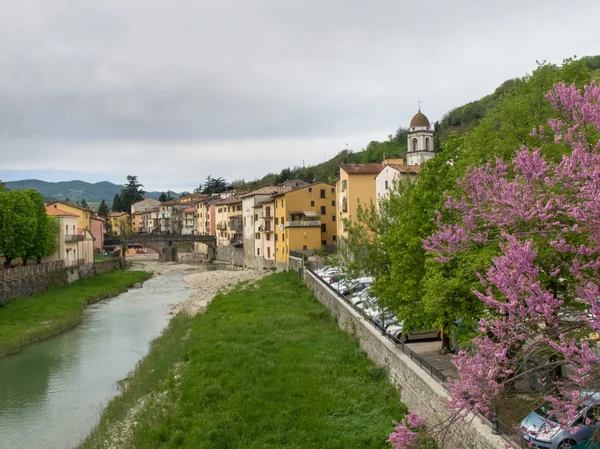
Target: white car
x,y
395,330
361,297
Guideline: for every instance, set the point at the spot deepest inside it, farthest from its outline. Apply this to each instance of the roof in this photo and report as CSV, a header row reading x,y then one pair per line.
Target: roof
x,y
229,201
50,210
96,217
71,205
362,169
267,190
189,209
419,120
117,214
302,187
403,168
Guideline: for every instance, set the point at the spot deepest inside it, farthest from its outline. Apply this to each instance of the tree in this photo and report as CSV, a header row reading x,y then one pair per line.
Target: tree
x,y
44,240
132,193
214,185
84,204
116,204
542,290
2,188
103,210
163,197
18,223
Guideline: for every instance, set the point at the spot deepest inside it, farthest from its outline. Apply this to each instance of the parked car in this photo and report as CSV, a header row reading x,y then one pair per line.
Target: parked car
x,y
542,432
396,330
388,320
356,286
321,271
361,297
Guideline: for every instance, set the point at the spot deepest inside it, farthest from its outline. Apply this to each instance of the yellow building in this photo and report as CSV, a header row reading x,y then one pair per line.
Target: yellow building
x,y
229,222
136,222
356,185
304,219
119,222
84,220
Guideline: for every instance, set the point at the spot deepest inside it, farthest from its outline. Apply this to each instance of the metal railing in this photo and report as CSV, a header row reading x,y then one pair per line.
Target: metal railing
x,y
70,238
302,223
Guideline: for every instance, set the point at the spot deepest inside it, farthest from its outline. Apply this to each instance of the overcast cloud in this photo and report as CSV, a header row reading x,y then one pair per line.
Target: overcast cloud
x,y
176,90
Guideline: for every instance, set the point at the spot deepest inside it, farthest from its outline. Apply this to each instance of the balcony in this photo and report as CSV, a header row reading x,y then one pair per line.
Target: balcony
x,y
235,226
222,226
73,238
303,224
236,242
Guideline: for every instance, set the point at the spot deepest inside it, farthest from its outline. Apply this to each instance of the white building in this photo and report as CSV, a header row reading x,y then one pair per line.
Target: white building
x,y
420,140
386,178
145,204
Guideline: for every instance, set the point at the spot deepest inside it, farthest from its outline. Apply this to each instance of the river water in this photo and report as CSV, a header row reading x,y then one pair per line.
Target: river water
x,y
53,392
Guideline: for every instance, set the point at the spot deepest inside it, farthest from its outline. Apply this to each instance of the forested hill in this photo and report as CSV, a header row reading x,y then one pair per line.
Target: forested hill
x,y
461,119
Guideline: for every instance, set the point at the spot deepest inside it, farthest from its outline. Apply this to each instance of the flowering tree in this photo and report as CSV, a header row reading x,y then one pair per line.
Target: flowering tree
x,y
541,292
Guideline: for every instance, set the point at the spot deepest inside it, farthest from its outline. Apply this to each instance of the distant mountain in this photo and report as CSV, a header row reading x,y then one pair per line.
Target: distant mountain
x,y
74,190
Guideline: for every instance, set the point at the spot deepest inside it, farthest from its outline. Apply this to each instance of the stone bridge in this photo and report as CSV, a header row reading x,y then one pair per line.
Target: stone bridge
x,y
166,244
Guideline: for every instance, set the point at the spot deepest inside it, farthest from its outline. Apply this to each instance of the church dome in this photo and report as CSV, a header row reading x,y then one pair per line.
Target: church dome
x,y
419,120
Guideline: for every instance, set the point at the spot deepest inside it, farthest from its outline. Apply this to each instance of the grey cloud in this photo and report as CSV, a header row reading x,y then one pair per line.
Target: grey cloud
x,y
197,75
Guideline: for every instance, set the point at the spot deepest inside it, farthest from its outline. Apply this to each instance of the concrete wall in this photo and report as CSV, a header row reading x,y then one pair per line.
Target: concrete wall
x,y
32,279
419,391
230,254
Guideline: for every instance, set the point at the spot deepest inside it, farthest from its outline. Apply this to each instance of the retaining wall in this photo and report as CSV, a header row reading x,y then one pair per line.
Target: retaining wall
x,y
230,254
419,391
32,279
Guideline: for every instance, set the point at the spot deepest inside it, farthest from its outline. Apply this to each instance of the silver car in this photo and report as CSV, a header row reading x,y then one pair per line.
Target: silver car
x,y
396,330
543,433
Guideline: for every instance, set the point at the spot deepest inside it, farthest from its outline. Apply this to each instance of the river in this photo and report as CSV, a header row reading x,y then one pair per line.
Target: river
x,y
53,392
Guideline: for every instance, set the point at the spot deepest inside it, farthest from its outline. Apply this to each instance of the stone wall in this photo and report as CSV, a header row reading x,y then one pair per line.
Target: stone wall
x,y
230,254
30,279
419,391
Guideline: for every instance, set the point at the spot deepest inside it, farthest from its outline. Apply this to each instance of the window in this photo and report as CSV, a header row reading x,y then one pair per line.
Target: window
x,y
414,144
228,208
426,143
276,221
333,218
334,238
304,248
66,229
323,227
344,184
323,210
323,242
268,252
283,237
268,236
333,190
322,193
310,189
258,251
257,235
312,203
281,203
255,217
386,185
276,239
239,208
333,203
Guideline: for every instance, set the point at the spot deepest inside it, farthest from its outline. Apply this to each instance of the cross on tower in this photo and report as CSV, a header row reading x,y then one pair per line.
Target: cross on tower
x,y
419,101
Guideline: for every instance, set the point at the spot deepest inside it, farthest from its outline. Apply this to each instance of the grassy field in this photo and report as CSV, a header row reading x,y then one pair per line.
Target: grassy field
x,y
264,367
25,320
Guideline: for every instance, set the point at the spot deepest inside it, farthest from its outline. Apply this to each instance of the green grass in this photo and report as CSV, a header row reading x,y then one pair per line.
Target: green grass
x,y
29,319
264,367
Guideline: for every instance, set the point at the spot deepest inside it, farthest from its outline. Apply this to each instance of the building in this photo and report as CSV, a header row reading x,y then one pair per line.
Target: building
x,y
252,220
136,222
420,140
164,216
189,225
145,204
119,222
267,228
384,181
150,221
356,185
98,231
75,245
305,219
84,214
228,219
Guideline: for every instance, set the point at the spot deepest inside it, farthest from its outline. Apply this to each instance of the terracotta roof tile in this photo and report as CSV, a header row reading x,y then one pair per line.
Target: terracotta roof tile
x,y
51,210
359,169
403,168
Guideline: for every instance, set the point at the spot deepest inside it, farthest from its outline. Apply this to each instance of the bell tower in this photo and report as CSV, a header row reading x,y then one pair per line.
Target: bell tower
x,y
420,140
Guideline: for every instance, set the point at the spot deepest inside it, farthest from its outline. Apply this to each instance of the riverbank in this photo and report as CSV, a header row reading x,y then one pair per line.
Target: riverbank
x,y
30,319
264,366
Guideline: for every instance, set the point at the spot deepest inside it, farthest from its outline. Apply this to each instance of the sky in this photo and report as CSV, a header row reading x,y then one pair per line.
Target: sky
x,y
174,91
